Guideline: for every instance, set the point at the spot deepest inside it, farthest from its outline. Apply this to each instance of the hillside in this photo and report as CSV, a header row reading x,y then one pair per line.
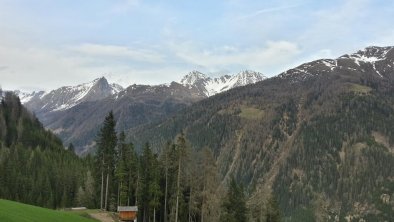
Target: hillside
x,y
136,105
319,137
16,212
35,168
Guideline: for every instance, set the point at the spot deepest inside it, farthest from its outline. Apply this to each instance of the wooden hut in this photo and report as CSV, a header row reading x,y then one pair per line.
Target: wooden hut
x,y
128,213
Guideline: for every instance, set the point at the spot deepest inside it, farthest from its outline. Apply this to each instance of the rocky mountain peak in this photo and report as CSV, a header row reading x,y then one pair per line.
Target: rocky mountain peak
x,y
68,96
194,77
379,60
246,77
370,54
211,86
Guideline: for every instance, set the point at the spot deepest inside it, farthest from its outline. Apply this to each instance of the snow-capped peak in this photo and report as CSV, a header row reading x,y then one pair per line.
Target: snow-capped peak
x,y
68,96
116,88
26,97
211,86
370,54
370,57
248,77
193,77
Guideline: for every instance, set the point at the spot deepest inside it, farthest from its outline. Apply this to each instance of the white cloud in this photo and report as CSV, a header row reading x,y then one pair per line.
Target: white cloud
x,y
39,68
267,10
136,54
123,6
266,58
127,75
337,26
386,38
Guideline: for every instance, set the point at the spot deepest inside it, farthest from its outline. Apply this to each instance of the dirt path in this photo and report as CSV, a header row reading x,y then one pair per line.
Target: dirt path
x,y
103,217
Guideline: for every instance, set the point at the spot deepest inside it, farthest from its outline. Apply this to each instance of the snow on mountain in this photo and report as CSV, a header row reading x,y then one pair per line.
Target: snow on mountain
x,y
26,97
211,86
369,55
116,88
68,96
194,77
372,58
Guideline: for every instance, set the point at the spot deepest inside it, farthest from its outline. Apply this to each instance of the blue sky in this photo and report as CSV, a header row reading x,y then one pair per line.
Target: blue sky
x,y
46,44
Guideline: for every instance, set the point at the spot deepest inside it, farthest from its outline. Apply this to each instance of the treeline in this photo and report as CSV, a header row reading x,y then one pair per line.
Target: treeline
x,y
178,184
169,183
34,166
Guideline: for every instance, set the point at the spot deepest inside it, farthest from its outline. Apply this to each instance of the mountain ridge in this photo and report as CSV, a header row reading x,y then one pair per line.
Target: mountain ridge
x,y
68,96
192,79
64,110
315,137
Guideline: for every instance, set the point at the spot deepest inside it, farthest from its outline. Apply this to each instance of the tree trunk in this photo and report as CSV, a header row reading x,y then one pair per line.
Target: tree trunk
x,y
190,201
154,214
145,217
136,188
102,190
119,186
128,189
165,193
202,203
177,189
106,192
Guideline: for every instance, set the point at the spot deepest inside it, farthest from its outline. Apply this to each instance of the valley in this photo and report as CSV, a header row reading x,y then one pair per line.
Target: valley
x,y
197,111
313,143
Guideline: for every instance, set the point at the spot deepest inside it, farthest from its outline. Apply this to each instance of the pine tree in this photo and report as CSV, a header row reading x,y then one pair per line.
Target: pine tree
x,y
234,205
132,173
210,193
154,187
121,170
181,155
273,212
105,157
71,148
146,177
165,162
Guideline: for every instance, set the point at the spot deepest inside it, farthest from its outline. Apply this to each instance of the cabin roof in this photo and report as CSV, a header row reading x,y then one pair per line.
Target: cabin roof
x,y
127,208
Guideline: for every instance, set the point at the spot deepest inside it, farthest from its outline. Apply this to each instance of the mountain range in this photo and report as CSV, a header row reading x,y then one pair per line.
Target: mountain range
x,y
75,112
319,137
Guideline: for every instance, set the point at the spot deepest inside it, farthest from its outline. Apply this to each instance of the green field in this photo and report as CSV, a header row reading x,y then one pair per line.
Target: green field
x,y
361,89
13,211
251,113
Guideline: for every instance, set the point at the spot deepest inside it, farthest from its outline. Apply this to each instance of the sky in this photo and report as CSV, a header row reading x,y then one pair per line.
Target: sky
x,y
46,44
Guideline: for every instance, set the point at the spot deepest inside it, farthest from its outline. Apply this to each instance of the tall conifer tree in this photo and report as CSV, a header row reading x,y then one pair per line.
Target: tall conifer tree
x,y
105,158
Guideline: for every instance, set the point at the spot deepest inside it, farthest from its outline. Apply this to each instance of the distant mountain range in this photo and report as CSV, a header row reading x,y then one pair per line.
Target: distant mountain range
x,y
75,112
67,97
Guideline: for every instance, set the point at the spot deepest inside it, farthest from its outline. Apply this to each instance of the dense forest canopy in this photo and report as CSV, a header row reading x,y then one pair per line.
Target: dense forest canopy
x,y
34,166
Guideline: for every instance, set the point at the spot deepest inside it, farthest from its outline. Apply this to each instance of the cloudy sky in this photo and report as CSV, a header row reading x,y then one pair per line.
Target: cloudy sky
x,y
46,44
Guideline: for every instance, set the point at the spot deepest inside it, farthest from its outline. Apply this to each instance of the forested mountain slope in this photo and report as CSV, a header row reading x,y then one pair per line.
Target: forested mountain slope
x,y
320,137
73,112
34,166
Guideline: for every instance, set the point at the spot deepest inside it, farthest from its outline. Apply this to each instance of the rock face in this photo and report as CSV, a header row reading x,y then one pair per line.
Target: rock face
x,y
319,137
